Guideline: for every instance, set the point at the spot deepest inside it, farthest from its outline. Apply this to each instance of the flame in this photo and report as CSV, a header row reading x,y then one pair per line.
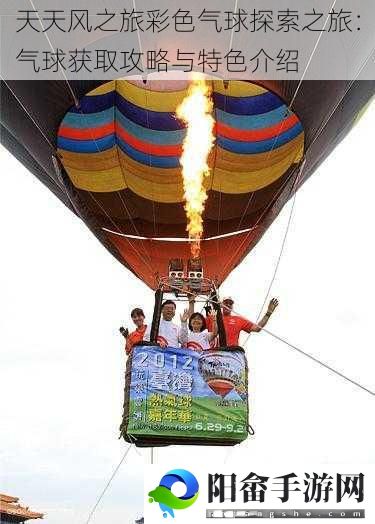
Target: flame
x,y
196,111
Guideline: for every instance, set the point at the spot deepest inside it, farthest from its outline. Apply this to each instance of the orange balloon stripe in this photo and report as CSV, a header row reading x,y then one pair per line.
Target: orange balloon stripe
x,y
87,133
147,147
254,135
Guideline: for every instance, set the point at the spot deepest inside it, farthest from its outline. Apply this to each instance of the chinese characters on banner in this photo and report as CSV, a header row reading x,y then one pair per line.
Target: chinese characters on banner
x,y
188,394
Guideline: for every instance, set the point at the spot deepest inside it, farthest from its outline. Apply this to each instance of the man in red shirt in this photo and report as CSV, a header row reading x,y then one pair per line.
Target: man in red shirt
x,y
138,317
234,324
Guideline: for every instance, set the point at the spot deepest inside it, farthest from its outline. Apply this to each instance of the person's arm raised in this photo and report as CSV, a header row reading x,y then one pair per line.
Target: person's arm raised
x,y
191,304
263,321
183,335
213,333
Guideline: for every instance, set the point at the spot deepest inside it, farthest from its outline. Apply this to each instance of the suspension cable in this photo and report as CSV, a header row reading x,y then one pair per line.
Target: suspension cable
x,y
252,229
290,105
114,473
27,112
317,135
320,362
281,339
145,261
76,102
282,245
75,99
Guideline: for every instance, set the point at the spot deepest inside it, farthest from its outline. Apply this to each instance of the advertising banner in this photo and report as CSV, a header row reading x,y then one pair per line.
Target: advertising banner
x,y
181,393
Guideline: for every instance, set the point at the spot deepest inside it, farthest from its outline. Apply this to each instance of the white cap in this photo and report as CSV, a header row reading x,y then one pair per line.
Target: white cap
x,y
228,299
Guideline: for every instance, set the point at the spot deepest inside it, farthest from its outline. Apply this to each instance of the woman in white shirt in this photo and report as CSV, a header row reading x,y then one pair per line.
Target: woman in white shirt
x,y
196,336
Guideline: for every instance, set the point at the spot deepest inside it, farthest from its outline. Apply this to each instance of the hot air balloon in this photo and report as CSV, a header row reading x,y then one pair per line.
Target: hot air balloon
x,y
111,152
221,373
113,159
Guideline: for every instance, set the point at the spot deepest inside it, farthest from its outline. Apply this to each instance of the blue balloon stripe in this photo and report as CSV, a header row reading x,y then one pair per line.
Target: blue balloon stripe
x,y
246,122
95,104
163,128
249,122
262,146
80,121
146,118
253,105
148,160
152,136
87,146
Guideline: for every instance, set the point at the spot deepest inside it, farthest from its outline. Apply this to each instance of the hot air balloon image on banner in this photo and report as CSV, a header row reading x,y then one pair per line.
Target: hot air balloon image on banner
x,y
222,372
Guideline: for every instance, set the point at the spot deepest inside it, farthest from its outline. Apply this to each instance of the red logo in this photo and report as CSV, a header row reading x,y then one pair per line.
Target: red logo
x,y
195,346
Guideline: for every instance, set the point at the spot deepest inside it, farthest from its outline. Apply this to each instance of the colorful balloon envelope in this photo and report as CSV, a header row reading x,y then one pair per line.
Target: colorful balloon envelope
x,y
114,158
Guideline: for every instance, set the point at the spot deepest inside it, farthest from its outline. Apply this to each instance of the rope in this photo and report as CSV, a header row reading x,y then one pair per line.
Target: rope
x,y
145,262
308,355
280,130
76,102
215,150
317,135
75,99
143,241
265,211
311,357
139,41
29,115
282,246
312,55
279,257
115,471
232,31
324,125
149,158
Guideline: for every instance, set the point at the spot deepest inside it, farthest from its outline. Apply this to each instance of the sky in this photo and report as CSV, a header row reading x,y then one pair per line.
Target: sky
x,y
63,297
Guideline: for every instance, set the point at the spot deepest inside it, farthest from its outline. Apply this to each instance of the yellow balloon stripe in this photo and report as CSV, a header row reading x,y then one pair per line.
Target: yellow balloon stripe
x,y
245,163
236,183
90,161
362,112
105,181
170,191
156,173
164,102
238,88
108,87
235,88
151,175
167,188
150,183
232,173
164,193
300,153
161,85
